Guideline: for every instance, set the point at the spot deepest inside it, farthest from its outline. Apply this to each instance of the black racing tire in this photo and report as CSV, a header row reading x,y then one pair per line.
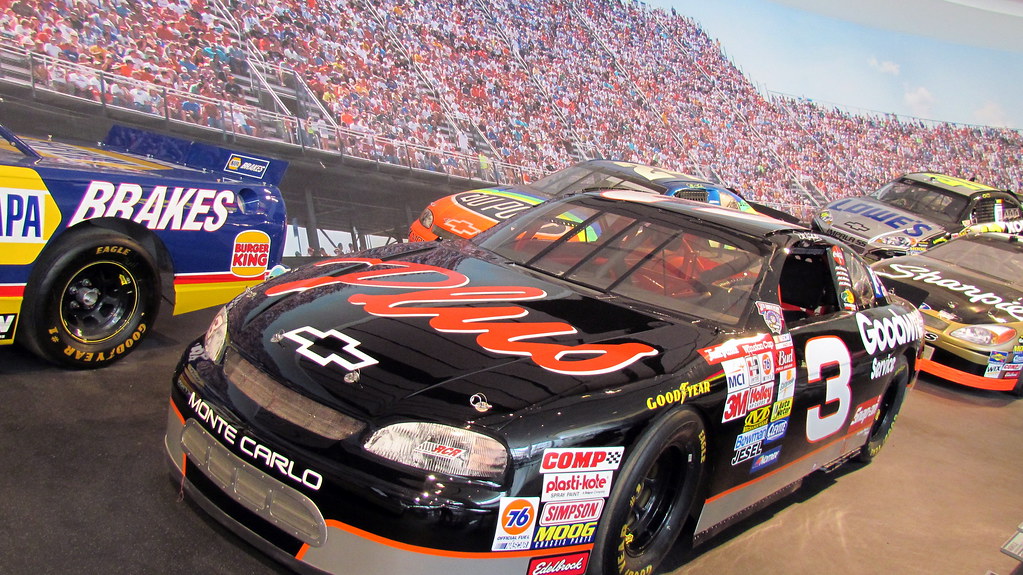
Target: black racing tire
x,y
887,412
653,495
92,300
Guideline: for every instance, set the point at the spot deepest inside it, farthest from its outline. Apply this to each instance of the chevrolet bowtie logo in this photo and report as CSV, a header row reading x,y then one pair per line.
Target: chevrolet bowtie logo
x,y
329,347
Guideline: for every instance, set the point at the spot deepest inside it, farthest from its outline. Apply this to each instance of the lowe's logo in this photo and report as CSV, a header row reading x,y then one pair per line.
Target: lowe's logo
x,y
246,166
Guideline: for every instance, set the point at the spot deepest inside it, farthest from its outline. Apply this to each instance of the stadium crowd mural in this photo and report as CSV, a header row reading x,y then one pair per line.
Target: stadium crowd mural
x,y
498,89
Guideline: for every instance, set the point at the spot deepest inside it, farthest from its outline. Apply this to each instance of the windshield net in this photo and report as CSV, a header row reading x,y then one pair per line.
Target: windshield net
x,y
619,249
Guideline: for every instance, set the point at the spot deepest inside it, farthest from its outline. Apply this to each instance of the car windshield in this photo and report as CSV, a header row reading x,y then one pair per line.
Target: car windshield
x,y
988,255
584,177
635,251
929,203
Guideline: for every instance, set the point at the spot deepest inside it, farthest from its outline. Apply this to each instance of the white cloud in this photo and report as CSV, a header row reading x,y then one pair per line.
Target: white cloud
x,y
885,67
991,114
919,100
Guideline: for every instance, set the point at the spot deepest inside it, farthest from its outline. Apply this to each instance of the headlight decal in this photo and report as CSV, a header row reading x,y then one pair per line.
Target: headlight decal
x,y
440,449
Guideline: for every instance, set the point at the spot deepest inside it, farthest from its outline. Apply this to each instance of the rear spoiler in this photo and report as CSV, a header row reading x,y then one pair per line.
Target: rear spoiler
x,y
196,155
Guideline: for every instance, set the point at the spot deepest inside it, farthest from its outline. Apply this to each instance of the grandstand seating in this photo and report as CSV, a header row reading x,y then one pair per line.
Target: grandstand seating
x,y
505,90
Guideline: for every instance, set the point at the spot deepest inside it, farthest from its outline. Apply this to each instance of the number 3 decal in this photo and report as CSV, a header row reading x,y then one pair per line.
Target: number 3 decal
x,y
822,352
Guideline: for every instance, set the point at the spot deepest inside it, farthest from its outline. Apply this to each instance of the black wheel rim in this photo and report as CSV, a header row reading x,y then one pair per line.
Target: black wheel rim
x,y
98,301
653,500
885,411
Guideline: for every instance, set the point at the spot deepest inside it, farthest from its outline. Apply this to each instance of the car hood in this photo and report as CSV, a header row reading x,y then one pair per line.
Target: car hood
x,y
374,345
970,297
865,218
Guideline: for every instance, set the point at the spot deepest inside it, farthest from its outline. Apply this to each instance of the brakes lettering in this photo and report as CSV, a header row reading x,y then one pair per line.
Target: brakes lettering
x,y
160,208
558,513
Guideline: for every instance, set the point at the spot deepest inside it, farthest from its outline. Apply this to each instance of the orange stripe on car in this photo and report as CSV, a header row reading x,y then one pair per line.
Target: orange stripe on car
x,y
961,377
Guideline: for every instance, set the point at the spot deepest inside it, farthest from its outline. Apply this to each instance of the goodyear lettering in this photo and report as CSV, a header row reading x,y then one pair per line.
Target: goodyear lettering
x,y
971,292
182,209
105,355
558,535
21,215
254,450
684,391
880,335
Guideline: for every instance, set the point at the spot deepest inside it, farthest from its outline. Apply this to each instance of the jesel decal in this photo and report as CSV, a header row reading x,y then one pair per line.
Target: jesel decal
x,y
444,287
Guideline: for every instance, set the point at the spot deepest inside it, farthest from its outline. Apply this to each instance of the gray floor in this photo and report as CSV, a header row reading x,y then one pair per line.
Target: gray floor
x,y
84,487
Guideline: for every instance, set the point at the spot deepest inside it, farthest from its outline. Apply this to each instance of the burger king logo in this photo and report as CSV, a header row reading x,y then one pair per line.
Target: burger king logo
x,y
251,254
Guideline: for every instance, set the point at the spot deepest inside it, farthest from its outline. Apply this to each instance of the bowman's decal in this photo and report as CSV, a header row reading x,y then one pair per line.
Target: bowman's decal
x,y
515,523
322,347
494,335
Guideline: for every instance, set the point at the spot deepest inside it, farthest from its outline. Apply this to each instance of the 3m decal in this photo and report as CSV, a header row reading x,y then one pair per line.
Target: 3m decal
x,y
323,347
7,323
493,335
562,513
159,208
516,520
564,535
973,293
571,564
562,459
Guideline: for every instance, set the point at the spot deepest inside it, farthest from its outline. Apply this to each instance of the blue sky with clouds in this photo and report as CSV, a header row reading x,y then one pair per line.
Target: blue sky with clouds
x,y
834,60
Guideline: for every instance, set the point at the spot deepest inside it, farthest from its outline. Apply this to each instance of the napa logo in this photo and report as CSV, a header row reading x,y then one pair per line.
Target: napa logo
x,y
246,166
28,215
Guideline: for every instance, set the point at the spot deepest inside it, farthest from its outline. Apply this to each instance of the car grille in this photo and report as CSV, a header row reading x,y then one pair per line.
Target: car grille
x,y
286,404
694,195
854,242
268,498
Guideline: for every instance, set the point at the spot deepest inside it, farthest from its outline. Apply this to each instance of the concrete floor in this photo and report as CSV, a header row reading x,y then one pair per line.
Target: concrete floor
x,y
84,486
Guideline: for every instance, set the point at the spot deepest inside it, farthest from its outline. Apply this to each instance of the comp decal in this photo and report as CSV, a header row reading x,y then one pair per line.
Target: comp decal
x,y
494,335
158,207
576,482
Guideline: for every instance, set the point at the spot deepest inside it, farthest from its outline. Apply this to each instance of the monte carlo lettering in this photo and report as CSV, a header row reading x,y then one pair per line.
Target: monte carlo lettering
x,y
157,208
438,299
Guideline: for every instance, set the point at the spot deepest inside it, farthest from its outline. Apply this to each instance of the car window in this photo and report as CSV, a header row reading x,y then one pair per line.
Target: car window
x,y
927,202
806,289
861,284
578,179
687,269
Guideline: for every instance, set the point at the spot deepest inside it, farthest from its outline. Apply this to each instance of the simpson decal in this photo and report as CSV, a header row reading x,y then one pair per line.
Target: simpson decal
x,y
563,513
516,520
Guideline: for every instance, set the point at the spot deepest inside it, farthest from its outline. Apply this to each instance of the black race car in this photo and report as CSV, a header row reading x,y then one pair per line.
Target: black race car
x,y
566,393
972,305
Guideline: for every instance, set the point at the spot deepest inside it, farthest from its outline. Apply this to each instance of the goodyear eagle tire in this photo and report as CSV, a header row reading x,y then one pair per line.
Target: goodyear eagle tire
x,y
653,496
887,412
94,298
